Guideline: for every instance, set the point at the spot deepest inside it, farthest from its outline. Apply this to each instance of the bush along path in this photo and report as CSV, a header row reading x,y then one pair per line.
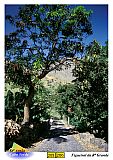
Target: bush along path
x,y
24,135
65,139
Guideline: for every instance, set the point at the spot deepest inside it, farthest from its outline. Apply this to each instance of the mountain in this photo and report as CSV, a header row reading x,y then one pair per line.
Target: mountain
x,y
56,77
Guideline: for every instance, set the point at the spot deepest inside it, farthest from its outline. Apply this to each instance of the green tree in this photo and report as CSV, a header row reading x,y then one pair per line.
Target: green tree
x,y
45,37
14,105
41,103
9,106
88,95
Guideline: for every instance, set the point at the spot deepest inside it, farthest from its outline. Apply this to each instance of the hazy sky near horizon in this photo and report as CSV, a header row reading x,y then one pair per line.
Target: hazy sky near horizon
x,y
99,20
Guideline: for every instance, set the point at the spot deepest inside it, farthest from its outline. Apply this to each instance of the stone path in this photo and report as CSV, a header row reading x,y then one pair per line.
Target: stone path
x,y
60,139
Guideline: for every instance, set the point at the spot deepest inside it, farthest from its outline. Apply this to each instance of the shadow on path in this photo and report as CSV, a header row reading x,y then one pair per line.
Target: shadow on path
x,y
57,131
60,140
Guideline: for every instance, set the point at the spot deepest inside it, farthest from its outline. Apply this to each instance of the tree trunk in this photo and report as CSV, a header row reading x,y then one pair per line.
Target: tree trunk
x,y
28,102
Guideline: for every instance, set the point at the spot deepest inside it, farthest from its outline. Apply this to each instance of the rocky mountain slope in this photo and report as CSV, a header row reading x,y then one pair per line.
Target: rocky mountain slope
x,y
56,77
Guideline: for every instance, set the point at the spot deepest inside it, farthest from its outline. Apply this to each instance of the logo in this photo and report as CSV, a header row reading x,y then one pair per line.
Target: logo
x,y
55,155
18,152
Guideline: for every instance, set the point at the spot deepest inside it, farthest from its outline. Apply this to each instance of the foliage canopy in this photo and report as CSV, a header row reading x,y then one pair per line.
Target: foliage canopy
x,y
44,37
88,95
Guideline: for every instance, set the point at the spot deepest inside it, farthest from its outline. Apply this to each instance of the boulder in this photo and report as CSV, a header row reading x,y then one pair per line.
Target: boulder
x,y
86,137
12,129
100,143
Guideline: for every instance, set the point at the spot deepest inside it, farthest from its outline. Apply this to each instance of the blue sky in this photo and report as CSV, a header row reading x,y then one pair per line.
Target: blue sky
x,y
99,20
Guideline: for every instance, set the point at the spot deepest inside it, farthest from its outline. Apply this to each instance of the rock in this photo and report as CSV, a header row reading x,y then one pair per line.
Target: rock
x,y
12,132
12,129
90,139
100,143
86,136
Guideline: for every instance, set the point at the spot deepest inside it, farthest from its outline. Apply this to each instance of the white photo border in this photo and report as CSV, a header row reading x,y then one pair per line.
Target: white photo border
x,y
43,155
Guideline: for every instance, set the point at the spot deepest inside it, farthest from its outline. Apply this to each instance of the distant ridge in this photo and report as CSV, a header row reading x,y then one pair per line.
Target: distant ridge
x,y
56,77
